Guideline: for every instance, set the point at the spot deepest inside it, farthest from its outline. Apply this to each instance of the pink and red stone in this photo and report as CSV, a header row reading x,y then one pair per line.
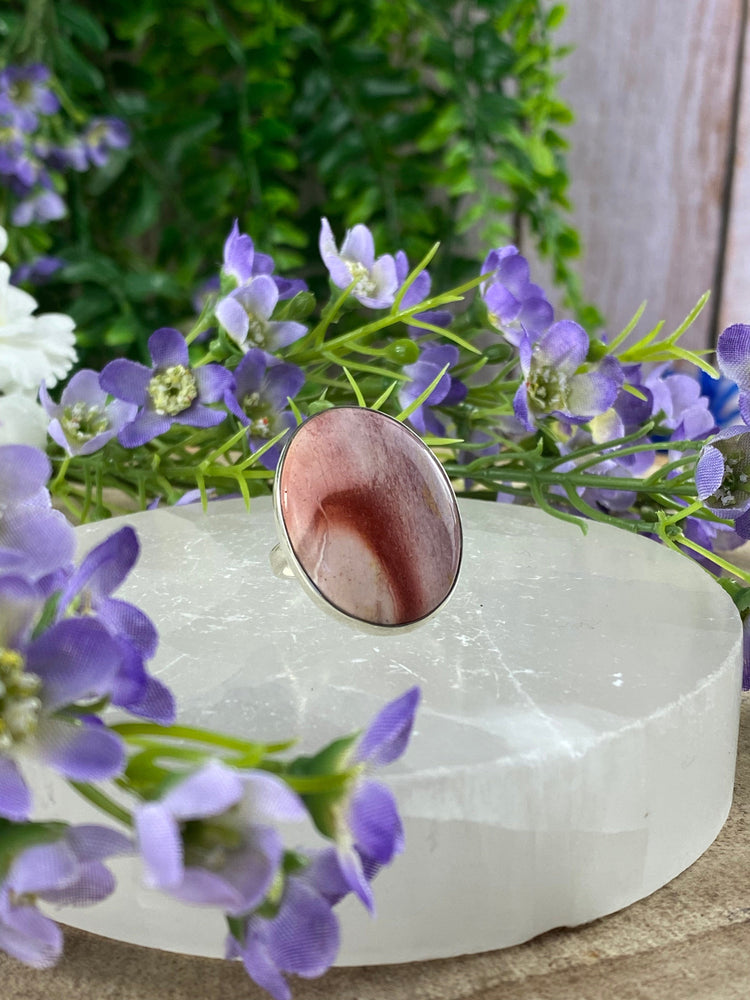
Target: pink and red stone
x,y
370,516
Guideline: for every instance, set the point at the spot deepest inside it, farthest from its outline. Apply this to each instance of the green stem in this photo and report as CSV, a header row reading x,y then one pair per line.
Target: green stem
x,y
712,557
102,801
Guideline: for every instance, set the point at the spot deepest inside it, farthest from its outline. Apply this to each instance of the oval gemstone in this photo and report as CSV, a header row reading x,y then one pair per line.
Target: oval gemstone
x,y
370,516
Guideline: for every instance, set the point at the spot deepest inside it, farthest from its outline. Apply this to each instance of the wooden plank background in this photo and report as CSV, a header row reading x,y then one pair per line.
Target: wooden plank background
x,y
652,86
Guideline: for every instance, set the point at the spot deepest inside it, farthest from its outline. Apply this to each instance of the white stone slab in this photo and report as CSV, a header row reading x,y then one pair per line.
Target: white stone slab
x,y
574,751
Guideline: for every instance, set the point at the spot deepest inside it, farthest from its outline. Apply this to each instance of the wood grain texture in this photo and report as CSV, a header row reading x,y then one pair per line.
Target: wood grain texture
x,y
651,85
735,302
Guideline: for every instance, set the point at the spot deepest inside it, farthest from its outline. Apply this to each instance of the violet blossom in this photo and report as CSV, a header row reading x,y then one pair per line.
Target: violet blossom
x,y
243,263
83,421
263,387
297,933
43,205
70,665
89,590
448,392
102,135
38,271
212,839
35,540
514,303
169,392
365,822
553,382
246,314
733,357
376,280
66,870
25,94
722,476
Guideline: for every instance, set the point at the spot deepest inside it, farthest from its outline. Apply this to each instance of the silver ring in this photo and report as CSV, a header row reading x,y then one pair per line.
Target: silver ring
x,y
367,519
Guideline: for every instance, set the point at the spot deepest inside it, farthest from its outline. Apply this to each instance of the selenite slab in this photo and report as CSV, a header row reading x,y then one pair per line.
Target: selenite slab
x,y
574,750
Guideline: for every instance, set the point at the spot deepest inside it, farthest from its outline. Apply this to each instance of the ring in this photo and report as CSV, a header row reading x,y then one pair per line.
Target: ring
x,y
367,519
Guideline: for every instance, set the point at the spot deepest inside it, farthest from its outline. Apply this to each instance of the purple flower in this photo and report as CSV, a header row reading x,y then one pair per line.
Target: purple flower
x,y
246,315
67,870
733,356
722,476
69,665
72,155
44,206
82,422
367,827
90,588
212,838
38,271
448,392
103,135
416,293
35,540
514,304
170,392
25,94
300,937
376,280
243,263
553,384
263,387
678,398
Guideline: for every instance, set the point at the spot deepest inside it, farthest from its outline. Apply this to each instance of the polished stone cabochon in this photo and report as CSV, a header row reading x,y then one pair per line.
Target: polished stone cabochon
x,y
370,516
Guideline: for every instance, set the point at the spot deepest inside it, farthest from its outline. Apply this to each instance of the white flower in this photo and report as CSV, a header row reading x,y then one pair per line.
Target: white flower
x,y
33,349
22,421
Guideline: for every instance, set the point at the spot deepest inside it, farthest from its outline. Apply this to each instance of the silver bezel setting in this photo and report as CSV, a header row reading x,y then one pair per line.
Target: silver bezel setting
x,y
292,562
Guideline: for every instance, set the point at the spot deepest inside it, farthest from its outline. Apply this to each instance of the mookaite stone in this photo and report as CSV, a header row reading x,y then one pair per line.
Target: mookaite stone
x,y
370,516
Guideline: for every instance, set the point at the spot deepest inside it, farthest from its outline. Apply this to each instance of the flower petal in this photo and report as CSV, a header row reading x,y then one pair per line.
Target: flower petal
x,y
386,737
212,381
93,842
146,426
126,380
42,867
304,935
168,347
29,936
15,797
359,246
268,799
733,355
160,845
233,317
375,823
565,345
82,753
76,660
94,883
709,472
23,472
207,792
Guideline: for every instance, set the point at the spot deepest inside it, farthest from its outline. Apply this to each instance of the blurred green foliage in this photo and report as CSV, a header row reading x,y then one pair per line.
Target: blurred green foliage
x,y
426,119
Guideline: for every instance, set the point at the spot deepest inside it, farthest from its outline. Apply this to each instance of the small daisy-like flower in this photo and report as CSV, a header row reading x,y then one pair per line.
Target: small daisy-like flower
x,y
376,280
246,316
170,392
553,383
82,422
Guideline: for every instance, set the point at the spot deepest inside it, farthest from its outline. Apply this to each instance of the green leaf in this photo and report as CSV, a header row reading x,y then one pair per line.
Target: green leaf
x,y
83,26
